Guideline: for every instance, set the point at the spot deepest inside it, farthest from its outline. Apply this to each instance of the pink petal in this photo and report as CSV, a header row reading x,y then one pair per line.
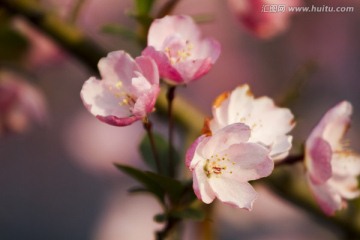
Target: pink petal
x,y
247,161
318,160
148,69
104,105
233,134
161,29
232,192
146,102
201,186
190,159
165,68
118,66
333,125
120,122
326,197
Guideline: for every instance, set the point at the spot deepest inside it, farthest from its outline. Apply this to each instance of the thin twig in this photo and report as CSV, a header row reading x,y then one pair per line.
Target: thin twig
x,y
170,98
148,127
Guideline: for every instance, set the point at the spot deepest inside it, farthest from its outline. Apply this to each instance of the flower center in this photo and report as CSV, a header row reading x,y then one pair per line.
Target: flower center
x,y
216,165
178,52
124,97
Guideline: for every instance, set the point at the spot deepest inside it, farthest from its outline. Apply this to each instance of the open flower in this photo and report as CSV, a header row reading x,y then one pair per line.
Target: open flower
x,y
20,104
269,124
264,18
127,91
222,165
175,43
331,168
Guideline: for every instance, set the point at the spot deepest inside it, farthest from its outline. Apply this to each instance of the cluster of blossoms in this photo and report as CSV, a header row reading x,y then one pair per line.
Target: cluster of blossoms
x,y
246,135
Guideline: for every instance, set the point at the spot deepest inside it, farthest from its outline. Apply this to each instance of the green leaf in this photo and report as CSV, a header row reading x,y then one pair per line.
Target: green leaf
x,y
143,178
143,7
172,187
120,30
162,147
188,213
13,45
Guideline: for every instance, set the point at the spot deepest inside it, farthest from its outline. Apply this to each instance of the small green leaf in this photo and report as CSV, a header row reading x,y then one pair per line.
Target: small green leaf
x,y
162,147
120,30
188,213
172,187
143,178
143,7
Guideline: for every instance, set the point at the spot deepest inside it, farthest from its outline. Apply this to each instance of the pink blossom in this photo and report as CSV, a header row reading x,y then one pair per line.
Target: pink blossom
x,y
269,124
20,104
264,18
127,91
331,167
222,165
176,45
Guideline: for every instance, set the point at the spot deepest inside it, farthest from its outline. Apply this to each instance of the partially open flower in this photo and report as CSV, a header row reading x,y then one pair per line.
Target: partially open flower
x,y
20,104
331,167
222,165
176,45
269,124
264,18
127,92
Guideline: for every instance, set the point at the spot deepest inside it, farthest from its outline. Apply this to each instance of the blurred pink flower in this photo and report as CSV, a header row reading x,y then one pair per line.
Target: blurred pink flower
x,y
127,92
269,124
175,43
331,168
222,165
264,18
20,104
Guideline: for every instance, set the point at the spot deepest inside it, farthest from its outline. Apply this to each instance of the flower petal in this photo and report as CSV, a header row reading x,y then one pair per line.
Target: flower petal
x,y
100,101
191,157
318,160
225,137
161,29
346,163
281,147
201,186
241,195
148,69
326,197
165,68
247,161
118,66
333,125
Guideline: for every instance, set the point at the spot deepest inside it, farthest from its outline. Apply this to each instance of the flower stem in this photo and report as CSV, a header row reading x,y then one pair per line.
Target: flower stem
x,y
170,98
148,127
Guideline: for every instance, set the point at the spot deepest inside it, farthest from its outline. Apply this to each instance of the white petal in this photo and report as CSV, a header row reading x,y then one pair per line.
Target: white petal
x,y
100,101
246,161
241,195
225,137
201,185
281,147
